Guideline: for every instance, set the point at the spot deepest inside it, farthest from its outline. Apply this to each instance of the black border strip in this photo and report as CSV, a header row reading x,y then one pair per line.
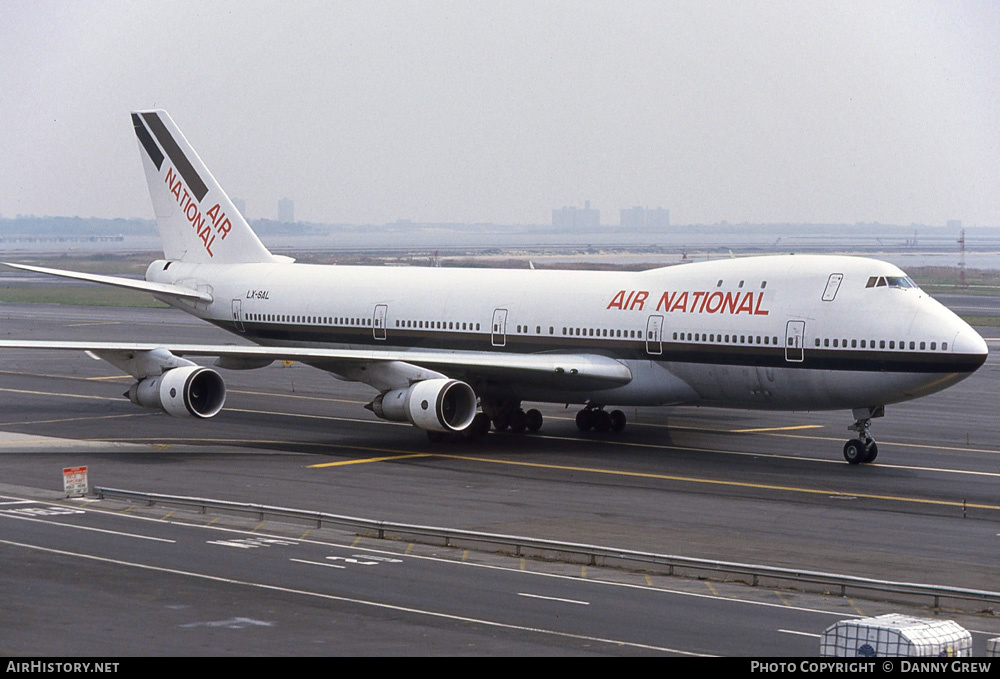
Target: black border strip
x,y
177,157
152,150
939,362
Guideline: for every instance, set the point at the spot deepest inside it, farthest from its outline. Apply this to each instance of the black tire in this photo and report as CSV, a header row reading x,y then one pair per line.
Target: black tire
x,y
501,422
585,420
872,452
618,421
854,451
535,420
479,427
518,421
602,421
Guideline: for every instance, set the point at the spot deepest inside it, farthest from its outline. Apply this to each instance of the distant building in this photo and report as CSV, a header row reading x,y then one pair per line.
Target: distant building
x,y
636,218
572,217
286,210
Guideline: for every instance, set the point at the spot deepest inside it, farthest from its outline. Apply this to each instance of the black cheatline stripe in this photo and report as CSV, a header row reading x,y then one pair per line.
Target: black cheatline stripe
x,y
152,150
176,156
762,357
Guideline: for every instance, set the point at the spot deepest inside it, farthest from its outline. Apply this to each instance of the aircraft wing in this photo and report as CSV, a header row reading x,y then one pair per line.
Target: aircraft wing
x,y
175,291
556,370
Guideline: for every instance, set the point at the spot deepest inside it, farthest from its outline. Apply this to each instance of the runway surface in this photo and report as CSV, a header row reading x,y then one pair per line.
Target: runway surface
x,y
768,488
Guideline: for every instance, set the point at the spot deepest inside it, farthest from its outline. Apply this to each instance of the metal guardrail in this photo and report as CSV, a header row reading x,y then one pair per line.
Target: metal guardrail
x,y
593,553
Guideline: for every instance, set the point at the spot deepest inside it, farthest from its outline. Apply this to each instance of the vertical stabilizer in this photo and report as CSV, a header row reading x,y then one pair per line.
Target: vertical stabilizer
x,y
198,222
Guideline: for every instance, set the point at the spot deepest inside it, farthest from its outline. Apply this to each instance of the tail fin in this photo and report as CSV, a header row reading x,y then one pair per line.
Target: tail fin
x,y
198,222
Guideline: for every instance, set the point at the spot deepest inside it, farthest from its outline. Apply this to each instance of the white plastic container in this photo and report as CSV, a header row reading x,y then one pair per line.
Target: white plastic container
x,y
895,635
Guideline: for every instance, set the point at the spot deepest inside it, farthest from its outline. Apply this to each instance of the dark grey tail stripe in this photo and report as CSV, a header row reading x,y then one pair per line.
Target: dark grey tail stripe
x,y
152,150
175,154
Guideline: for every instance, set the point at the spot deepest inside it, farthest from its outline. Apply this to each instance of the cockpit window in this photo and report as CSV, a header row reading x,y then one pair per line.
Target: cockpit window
x,y
890,281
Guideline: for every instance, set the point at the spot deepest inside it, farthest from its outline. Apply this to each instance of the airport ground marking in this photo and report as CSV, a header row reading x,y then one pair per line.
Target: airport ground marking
x,y
367,460
85,528
352,600
86,323
770,429
719,482
319,563
63,420
561,600
319,417
408,551
55,393
855,607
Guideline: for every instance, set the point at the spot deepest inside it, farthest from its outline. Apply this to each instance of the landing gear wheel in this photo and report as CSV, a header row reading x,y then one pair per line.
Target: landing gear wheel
x,y
618,421
863,449
854,452
602,421
518,421
534,418
501,422
480,427
585,419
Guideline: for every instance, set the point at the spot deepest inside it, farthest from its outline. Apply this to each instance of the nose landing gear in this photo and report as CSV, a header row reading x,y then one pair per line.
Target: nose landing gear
x,y
863,449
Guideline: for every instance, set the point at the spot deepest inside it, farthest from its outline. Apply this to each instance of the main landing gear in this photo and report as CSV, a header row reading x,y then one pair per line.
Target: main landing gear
x,y
600,420
506,414
863,449
518,421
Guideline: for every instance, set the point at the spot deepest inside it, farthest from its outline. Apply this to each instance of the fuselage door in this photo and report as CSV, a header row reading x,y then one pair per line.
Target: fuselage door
x,y
499,327
378,321
794,341
654,335
238,315
832,286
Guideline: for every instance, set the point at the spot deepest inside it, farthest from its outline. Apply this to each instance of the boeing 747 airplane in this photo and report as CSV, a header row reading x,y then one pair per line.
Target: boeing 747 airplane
x,y
456,351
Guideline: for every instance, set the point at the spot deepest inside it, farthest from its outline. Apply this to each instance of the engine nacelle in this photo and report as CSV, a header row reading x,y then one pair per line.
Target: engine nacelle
x,y
191,391
434,405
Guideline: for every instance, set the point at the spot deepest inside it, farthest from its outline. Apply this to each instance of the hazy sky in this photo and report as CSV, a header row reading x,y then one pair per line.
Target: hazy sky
x,y
367,112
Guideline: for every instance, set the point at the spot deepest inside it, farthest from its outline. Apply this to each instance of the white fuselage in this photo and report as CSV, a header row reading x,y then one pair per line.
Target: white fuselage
x,y
779,332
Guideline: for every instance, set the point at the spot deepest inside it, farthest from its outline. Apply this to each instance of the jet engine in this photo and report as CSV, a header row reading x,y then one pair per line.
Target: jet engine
x,y
191,391
433,405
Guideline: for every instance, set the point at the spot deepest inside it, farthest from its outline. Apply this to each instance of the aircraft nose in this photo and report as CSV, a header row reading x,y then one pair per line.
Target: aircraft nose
x,y
970,343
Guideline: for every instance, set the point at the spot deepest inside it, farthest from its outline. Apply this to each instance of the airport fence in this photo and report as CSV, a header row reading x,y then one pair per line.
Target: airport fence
x,y
554,550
